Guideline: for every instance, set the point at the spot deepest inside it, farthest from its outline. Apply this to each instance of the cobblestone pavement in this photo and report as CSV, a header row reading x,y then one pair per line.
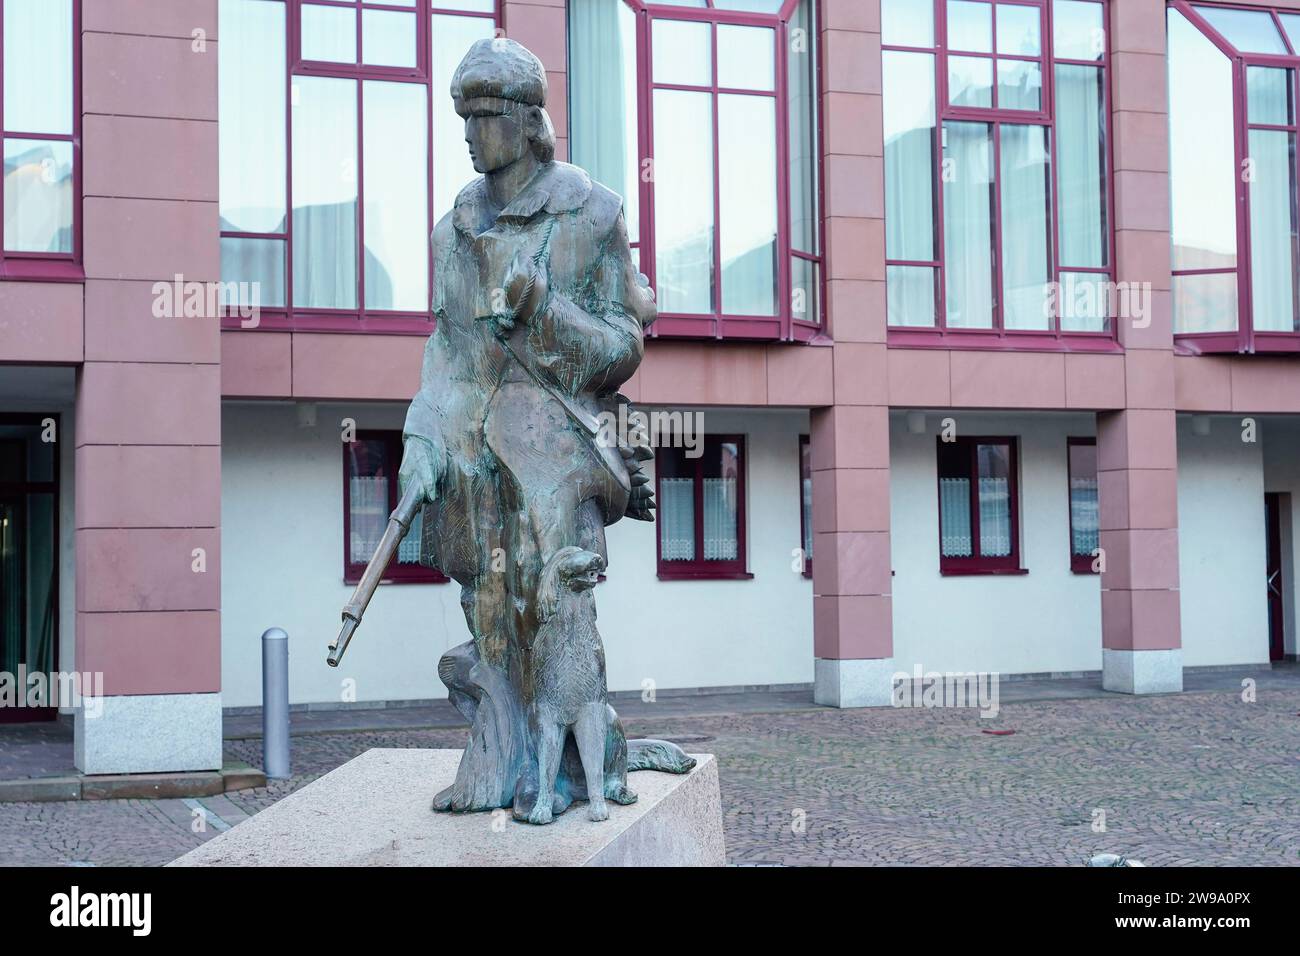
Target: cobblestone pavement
x,y
1199,778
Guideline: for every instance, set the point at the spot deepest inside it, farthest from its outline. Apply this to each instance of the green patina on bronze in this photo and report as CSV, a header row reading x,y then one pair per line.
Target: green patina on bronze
x,y
540,315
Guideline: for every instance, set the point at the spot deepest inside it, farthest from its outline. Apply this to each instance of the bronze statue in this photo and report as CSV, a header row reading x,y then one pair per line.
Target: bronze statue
x,y
540,314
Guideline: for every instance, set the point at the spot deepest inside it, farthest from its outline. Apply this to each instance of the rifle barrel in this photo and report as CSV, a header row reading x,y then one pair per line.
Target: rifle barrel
x,y
399,523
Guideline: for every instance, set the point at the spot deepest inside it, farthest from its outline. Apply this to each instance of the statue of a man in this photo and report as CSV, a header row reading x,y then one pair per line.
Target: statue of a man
x,y
539,314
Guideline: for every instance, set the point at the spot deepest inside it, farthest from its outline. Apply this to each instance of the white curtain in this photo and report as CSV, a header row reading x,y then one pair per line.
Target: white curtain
x,y
676,514
954,518
720,543
1273,229
1083,515
995,517
1026,246
368,507
968,224
1081,166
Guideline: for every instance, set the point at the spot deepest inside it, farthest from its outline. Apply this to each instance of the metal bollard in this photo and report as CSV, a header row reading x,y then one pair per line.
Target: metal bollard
x,y
275,703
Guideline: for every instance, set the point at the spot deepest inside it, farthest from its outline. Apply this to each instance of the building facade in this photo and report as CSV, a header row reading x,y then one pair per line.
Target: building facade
x,y
976,350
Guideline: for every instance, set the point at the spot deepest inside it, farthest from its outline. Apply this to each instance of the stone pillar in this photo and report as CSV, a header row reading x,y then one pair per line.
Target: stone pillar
x,y
542,26
852,615
1137,453
148,416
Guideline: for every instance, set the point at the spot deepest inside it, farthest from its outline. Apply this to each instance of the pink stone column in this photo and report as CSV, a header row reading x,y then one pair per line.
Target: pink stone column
x,y
1137,448
542,26
852,615
148,409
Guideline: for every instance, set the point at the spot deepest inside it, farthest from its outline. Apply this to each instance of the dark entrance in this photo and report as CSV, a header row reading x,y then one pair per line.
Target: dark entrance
x,y
1276,607
29,582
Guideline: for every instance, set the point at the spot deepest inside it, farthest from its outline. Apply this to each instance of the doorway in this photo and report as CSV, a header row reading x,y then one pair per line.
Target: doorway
x,y
1273,570
29,566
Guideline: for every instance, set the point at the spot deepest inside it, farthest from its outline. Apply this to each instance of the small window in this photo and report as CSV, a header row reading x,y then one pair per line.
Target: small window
x,y
370,495
1084,523
701,509
805,503
978,510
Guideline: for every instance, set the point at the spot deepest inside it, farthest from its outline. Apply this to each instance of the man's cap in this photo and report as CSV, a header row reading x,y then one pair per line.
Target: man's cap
x,y
500,68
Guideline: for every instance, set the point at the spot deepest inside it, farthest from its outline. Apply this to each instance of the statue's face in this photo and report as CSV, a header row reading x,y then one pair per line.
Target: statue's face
x,y
497,135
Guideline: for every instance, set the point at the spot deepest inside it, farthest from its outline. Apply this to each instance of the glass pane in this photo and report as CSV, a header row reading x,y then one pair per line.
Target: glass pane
x,y
906,23
994,500
38,66
683,170
675,499
746,57
909,155
752,6
747,199
253,270
251,70
450,38
721,502
1268,95
683,52
1272,230
325,193
1250,31
1084,523
396,191
28,595
1026,227
1083,302
1018,30
955,539
1078,30
801,70
968,225
910,296
38,195
806,492
474,6
1291,23
602,85
329,33
1020,85
805,290
368,480
1205,303
1081,165
684,3
1202,167
387,38
970,81
970,26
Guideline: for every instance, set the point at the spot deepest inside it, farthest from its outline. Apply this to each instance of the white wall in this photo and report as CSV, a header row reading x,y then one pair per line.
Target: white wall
x,y
282,553
1221,545
1048,620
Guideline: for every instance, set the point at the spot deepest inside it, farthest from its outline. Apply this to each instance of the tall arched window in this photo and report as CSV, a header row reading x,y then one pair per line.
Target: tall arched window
x,y
339,150
1232,174
702,114
40,119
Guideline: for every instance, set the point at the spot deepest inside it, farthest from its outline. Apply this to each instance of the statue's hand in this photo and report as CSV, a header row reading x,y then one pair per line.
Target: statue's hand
x,y
526,290
419,466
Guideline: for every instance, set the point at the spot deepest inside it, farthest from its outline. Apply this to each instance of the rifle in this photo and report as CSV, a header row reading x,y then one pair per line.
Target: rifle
x,y
399,523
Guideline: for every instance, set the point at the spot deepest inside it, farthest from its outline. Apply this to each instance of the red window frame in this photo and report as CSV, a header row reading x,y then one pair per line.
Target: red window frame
x,y
699,568
805,516
1245,338
359,319
49,266
396,573
1079,563
718,325
998,336
977,563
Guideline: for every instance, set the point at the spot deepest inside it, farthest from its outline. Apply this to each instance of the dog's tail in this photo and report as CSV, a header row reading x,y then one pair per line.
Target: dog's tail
x,y
648,754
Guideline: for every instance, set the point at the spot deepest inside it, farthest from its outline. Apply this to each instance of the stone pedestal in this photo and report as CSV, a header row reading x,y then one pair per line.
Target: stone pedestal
x,y
375,811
